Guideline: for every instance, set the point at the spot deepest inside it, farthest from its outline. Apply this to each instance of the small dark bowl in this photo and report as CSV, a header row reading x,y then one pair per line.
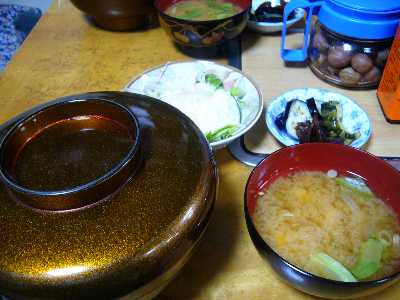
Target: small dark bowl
x,y
118,15
381,177
80,178
203,33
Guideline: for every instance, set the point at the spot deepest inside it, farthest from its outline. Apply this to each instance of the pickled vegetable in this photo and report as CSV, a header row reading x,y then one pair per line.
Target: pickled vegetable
x,y
303,121
270,14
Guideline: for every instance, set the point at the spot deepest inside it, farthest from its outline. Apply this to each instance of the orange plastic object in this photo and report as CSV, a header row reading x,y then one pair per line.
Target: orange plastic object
x,y
389,87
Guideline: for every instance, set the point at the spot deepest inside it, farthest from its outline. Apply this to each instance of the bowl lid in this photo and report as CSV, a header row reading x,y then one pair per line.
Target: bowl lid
x,y
125,241
70,154
362,19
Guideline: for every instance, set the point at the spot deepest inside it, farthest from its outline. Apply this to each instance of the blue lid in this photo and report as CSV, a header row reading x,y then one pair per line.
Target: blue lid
x,y
370,5
362,19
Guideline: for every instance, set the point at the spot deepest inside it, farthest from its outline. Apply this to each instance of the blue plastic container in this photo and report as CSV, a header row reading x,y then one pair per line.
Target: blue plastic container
x,y
349,41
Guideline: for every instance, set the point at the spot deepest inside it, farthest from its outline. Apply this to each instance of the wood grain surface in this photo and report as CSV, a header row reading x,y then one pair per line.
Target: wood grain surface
x,y
65,54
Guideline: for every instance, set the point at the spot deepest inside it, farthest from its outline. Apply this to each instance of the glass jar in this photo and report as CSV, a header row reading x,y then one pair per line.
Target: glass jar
x,y
345,61
349,42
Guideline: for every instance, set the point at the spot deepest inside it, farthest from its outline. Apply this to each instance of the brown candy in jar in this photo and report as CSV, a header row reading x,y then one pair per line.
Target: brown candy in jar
x,y
319,42
371,52
374,75
321,60
338,57
361,63
382,57
349,76
333,71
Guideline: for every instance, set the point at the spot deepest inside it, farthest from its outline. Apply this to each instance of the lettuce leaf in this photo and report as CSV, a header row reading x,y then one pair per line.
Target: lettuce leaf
x,y
331,268
369,260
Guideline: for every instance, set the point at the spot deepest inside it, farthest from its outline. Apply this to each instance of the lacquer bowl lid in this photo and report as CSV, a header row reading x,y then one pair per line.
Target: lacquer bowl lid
x,y
70,155
132,237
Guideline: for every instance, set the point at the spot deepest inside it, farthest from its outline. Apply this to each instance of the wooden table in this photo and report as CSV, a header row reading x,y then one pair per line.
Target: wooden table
x,y
65,55
261,59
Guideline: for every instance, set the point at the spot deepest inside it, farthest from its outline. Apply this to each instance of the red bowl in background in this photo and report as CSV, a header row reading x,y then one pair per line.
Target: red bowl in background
x,y
203,33
381,177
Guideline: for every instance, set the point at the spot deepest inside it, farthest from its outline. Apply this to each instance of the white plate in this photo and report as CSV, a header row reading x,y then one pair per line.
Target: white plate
x,y
354,117
153,80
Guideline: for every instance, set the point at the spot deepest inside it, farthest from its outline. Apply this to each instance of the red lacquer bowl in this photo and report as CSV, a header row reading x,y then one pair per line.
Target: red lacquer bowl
x,y
381,177
203,33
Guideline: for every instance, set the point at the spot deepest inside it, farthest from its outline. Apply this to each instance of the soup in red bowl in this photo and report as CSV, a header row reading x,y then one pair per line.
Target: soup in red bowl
x,y
208,23
326,217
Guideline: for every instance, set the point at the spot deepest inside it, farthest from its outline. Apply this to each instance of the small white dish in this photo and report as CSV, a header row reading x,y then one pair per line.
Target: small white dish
x,y
157,80
269,27
354,117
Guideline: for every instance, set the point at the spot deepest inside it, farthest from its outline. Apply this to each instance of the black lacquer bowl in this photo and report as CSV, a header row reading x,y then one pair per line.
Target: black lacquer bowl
x,y
381,177
203,33
102,195
118,15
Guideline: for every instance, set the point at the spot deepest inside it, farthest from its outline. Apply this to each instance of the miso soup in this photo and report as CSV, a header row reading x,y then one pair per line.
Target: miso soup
x,y
203,10
333,227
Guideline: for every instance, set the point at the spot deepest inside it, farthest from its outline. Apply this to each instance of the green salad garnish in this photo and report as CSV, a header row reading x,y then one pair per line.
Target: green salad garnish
x,y
237,94
221,133
214,80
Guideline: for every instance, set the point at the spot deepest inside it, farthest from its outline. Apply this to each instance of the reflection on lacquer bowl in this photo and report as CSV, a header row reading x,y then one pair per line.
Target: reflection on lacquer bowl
x,y
326,218
102,196
187,30
70,155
